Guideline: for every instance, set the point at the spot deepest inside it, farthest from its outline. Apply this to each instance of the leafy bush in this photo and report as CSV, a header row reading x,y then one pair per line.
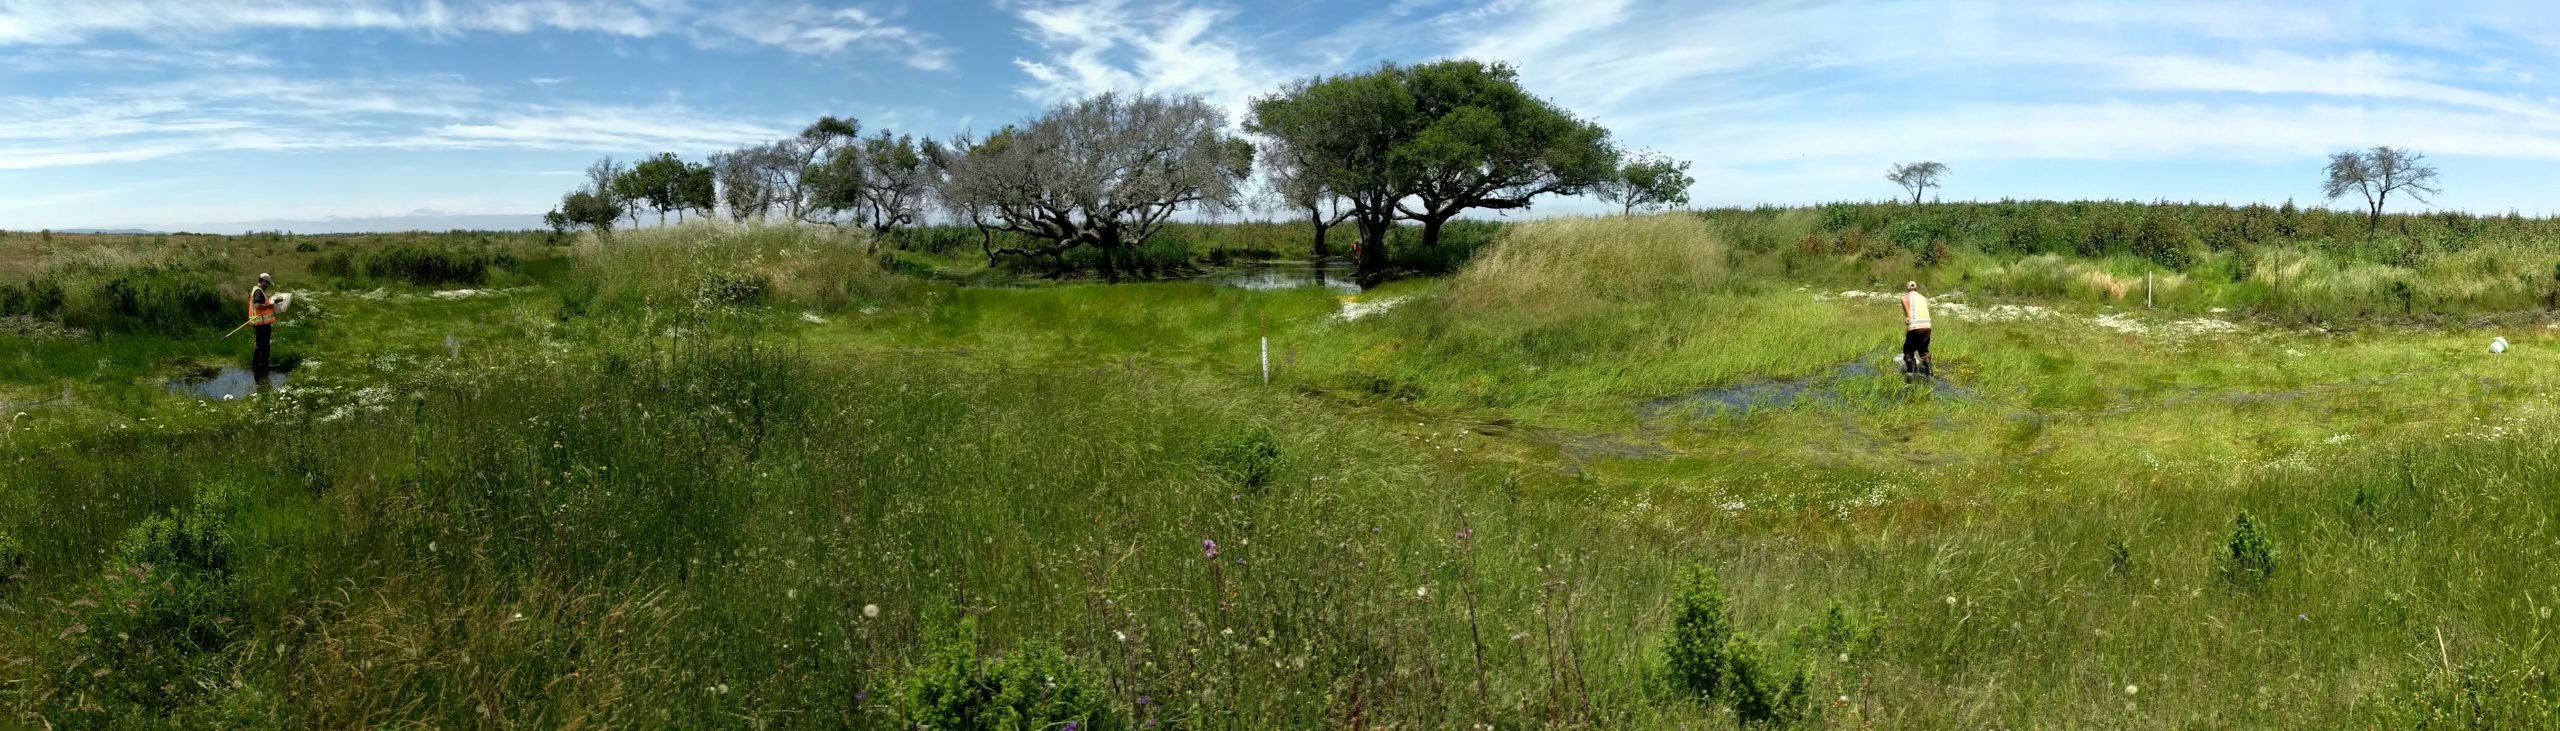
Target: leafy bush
x,y
166,609
426,267
13,560
40,298
2250,559
1840,632
149,300
1460,240
1761,695
340,263
1700,648
1246,458
733,288
1036,688
306,246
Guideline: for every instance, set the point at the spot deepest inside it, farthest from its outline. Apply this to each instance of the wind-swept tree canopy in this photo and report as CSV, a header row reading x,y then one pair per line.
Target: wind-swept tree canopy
x,y
1106,172
1917,177
2376,174
1486,143
1648,182
1338,133
1429,142
1301,188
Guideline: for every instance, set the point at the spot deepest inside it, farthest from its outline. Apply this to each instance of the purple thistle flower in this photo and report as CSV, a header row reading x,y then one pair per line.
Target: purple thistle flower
x,y
1143,700
1071,726
1209,547
1239,562
1466,533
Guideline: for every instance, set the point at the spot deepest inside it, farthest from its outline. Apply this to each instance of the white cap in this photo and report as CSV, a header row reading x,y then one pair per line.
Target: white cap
x,y
263,277
1913,286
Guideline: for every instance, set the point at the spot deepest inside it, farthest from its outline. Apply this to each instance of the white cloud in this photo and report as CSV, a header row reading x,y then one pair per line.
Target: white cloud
x,y
1773,99
796,27
1169,47
267,113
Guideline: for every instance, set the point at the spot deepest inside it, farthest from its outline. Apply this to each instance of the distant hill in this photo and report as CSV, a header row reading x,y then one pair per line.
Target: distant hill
x,y
117,231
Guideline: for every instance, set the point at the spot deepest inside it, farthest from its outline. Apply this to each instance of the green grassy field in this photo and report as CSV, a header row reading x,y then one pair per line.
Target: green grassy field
x,y
709,477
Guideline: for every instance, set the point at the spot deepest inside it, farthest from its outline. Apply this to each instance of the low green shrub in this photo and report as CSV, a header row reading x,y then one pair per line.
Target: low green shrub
x,y
1246,458
1034,688
157,300
13,560
1762,695
1699,650
1459,242
2249,559
426,267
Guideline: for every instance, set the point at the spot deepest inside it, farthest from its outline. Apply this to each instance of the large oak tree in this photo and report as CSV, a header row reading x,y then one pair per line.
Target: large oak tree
x,y
1106,172
1429,142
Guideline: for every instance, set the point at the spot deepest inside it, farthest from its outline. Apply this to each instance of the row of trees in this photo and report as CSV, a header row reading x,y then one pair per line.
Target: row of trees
x,y
2374,174
1421,144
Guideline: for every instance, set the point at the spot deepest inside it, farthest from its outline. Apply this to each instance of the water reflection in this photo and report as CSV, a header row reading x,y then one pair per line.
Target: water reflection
x,y
1327,274
228,383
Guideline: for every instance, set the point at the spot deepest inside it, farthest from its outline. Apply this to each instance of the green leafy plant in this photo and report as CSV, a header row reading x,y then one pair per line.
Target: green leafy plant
x,y
13,560
1762,695
1034,688
2250,558
1701,635
1247,457
1841,632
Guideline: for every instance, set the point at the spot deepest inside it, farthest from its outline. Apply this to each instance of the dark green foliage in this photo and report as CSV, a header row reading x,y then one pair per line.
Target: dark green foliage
x,y
2119,558
728,288
306,246
2250,558
340,263
1762,695
1840,632
1036,687
1459,242
2161,232
154,631
40,298
427,267
160,300
2470,698
1699,649
1247,457
13,560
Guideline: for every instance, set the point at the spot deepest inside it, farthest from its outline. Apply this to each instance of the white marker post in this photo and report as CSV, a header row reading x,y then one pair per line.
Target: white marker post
x,y
1262,324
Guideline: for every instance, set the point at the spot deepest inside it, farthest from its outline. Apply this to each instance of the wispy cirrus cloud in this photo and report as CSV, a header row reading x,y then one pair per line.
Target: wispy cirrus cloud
x,y
796,27
153,121
1087,48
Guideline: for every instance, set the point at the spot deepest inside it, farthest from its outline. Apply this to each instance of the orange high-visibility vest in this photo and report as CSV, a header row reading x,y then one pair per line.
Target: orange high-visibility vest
x,y
1915,311
261,313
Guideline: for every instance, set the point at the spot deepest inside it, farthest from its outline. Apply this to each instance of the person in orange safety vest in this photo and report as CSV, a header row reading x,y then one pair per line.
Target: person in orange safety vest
x,y
262,318
1915,329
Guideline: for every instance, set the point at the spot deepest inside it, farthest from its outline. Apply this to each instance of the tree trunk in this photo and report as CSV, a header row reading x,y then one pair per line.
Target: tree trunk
x,y
1110,246
1373,248
1317,217
1431,230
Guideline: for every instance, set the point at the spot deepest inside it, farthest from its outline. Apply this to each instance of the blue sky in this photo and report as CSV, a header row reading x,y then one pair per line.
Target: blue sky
x,y
325,114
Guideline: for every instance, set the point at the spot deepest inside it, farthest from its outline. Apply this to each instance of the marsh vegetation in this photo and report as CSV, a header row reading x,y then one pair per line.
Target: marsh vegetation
x,y
723,475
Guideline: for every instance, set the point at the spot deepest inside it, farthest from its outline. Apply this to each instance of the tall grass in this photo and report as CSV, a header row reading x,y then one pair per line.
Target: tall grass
x,y
714,525
711,265
2305,265
1573,310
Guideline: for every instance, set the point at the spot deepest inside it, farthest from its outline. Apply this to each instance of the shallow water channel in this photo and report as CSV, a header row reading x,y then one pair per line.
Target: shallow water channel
x,y
227,383
1329,274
